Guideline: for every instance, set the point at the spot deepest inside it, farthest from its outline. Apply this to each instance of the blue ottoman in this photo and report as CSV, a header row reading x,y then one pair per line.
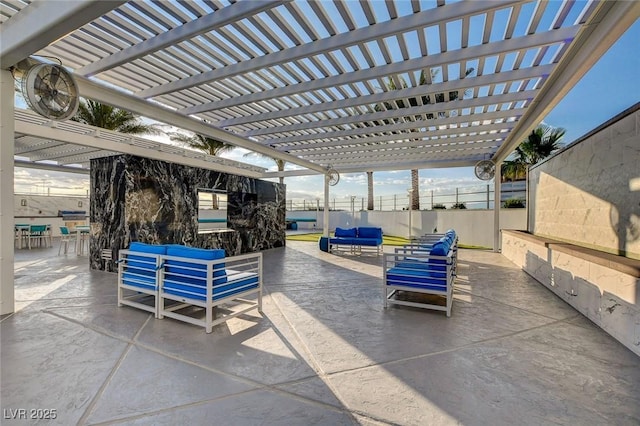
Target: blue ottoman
x,y
323,242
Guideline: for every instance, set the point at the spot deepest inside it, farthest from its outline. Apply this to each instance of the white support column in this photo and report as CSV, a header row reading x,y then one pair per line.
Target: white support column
x,y
496,208
7,225
325,216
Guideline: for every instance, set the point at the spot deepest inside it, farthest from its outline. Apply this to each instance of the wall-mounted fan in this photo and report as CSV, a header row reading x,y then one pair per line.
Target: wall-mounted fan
x,y
51,91
333,177
485,169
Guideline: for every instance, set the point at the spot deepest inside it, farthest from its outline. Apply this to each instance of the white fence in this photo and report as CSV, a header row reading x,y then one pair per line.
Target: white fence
x,y
474,227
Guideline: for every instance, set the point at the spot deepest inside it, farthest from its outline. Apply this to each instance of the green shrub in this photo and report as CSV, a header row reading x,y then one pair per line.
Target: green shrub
x,y
459,206
513,203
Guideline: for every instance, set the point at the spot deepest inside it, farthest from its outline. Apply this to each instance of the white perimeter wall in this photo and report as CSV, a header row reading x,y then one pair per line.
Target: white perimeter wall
x,y
475,227
43,210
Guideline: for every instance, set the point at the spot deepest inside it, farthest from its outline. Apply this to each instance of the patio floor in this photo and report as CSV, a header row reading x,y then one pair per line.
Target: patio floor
x,y
324,352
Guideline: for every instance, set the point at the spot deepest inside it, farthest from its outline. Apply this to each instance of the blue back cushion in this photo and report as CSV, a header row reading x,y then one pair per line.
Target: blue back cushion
x,y
349,233
146,263
195,269
439,266
148,248
440,248
368,232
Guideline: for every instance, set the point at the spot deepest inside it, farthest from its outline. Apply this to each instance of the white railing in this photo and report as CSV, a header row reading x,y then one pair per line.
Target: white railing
x,y
472,197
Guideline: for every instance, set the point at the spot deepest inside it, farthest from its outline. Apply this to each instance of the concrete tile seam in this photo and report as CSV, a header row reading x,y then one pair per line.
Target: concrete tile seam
x,y
4,317
316,364
98,330
332,287
112,373
445,351
517,307
127,419
175,357
316,367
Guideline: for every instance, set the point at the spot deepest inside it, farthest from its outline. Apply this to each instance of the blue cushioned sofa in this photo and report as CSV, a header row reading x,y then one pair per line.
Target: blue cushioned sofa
x,y
429,268
355,240
165,279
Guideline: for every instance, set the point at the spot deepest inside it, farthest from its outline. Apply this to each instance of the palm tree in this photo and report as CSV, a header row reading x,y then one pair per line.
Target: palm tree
x,y
205,144
415,185
202,143
438,98
111,118
369,190
279,162
541,143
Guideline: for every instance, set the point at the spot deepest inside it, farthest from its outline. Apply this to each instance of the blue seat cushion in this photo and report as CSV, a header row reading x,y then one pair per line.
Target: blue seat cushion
x,y
343,240
369,232
436,270
417,278
191,269
368,241
349,233
238,283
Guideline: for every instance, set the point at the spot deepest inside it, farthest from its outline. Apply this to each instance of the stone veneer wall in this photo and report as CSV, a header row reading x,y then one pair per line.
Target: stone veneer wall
x,y
603,287
140,199
589,193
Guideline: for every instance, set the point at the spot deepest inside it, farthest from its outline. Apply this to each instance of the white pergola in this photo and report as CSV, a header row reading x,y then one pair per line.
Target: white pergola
x,y
356,86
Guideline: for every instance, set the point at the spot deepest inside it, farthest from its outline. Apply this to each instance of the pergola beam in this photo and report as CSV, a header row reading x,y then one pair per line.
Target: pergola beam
x,y
346,148
43,22
50,167
431,61
403,112
393,95
361,35
224,16
606,26
92,141
375,168
336,139
92,90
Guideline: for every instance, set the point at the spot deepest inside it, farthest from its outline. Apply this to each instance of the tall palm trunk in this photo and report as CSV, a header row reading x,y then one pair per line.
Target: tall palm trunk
x,y
280,163
369,190
415,194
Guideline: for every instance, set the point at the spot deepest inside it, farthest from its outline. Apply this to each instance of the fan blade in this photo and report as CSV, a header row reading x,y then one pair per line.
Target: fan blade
x,y
62,101
55,75
41,85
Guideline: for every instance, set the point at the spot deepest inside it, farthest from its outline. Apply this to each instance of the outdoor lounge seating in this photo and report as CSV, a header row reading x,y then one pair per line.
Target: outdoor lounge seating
x,y
428,270
355,240
425,243
183,282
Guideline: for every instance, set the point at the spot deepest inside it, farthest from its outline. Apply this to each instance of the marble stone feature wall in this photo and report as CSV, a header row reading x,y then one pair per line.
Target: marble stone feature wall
x,y
140,199
589,193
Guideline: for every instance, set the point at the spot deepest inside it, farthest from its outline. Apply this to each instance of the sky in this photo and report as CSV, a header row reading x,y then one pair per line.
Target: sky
x,y
609,88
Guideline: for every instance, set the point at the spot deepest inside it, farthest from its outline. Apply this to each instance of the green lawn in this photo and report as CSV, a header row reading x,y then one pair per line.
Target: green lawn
x,y
388,240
